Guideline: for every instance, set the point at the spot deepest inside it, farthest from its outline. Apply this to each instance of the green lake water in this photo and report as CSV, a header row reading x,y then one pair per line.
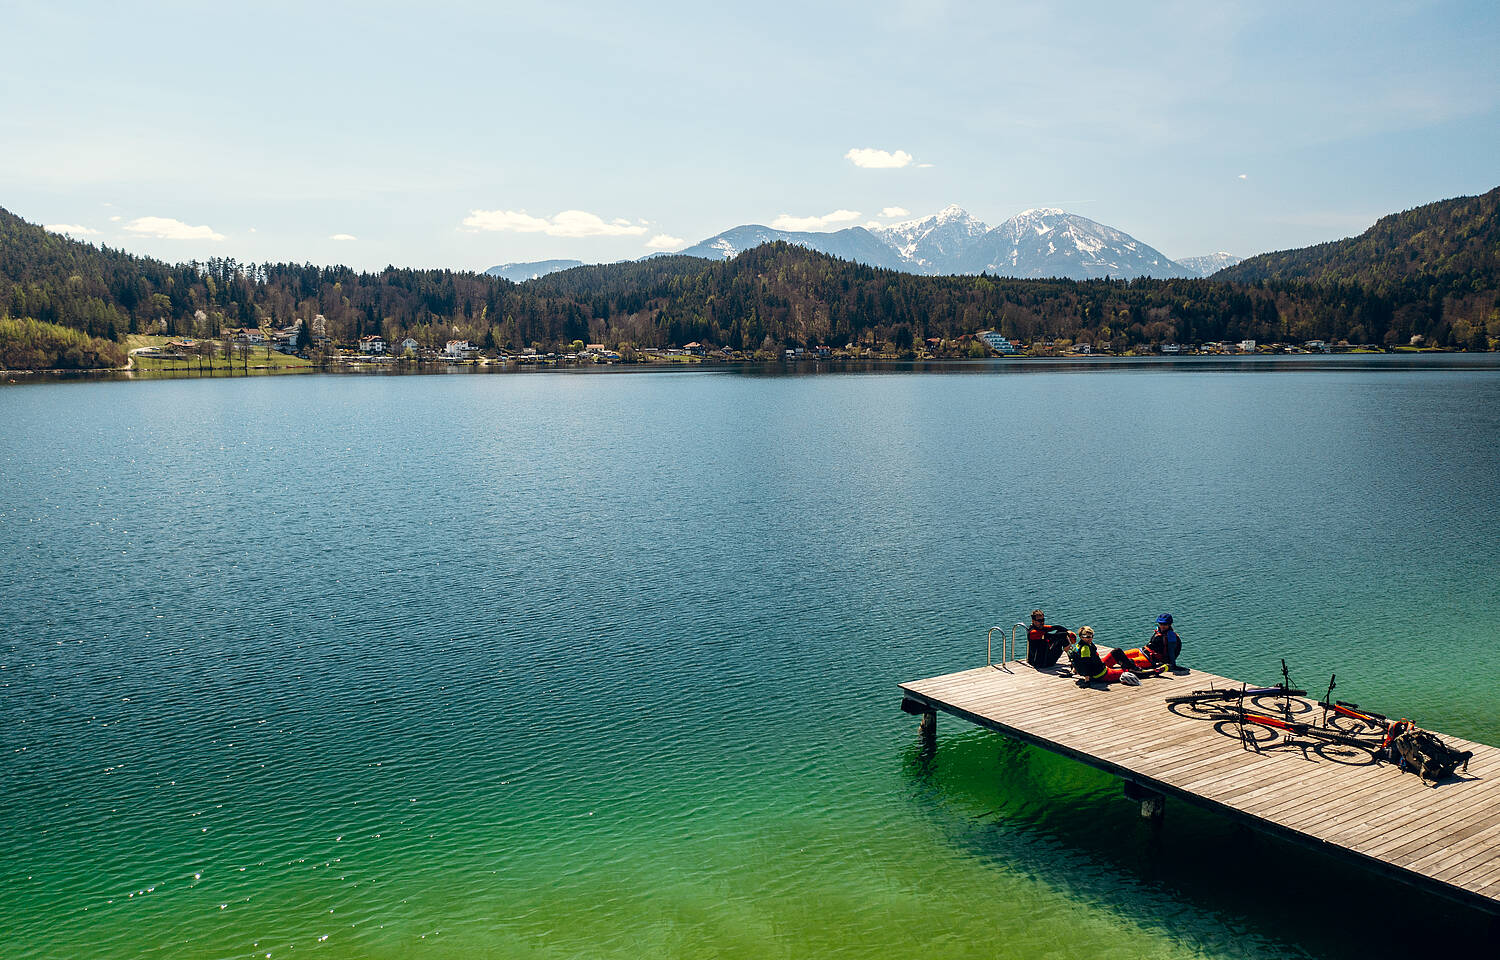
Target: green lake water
x,y
575,665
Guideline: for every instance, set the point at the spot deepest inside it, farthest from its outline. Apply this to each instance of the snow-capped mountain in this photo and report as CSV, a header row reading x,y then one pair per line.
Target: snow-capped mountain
x,y
1048,242
1038,243
1045,242
851,243
1210,263
521,272
932,244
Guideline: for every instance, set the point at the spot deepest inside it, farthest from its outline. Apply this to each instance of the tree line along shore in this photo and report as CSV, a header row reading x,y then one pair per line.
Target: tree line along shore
x,y
1428,277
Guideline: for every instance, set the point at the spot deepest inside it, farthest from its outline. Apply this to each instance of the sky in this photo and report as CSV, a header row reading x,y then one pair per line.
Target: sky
x,y
464,135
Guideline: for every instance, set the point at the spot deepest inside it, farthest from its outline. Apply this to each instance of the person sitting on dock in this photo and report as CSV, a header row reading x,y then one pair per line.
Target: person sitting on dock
x,y
1091,667
1164,647
1044,641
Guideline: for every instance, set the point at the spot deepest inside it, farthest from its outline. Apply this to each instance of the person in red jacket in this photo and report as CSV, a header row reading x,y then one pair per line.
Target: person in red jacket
x,y
1164,647
1044,641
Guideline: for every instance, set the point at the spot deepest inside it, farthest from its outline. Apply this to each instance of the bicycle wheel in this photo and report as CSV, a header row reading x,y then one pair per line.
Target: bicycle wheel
x,y
1276,705
1199,709
1345,754
1252,734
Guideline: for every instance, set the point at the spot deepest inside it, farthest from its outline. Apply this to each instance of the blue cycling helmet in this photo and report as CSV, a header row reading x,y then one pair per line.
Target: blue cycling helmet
x,y
1164,618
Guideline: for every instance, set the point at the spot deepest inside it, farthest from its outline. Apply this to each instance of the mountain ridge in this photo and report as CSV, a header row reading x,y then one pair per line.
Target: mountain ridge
x,y
531,270
1209,264
1446,240
1037,243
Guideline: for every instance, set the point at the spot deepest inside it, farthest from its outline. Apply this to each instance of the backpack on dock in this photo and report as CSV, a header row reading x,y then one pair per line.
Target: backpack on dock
x,y
1430,757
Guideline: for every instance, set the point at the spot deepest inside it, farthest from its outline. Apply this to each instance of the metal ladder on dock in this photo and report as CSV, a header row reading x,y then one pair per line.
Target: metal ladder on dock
x,y
1007,647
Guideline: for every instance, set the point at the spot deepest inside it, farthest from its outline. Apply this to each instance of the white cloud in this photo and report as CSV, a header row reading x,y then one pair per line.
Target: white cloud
x,y
72,228
788,222
923,166
165,228
663,242
1244,176
873,159
568,223
115,219
889,212
343,236
505,220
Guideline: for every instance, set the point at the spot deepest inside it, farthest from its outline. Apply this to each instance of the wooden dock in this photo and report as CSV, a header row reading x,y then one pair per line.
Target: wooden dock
x,y
1444,839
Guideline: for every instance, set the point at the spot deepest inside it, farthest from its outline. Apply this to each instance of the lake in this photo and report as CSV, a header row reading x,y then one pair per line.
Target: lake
x,y
559,665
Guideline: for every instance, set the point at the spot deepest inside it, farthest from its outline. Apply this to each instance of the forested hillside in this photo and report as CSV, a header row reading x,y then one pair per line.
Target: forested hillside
x,y
1441,259
1454,241
1430,272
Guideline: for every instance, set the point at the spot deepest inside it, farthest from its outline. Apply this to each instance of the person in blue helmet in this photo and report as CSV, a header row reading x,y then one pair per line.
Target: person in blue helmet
x,y
1164,647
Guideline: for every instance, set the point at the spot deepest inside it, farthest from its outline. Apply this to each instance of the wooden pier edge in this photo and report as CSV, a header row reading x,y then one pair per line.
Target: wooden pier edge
x,y
1014,724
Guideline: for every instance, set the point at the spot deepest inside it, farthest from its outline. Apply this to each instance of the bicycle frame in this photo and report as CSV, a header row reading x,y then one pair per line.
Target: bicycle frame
x,y
1303,730
1345,709
1230,693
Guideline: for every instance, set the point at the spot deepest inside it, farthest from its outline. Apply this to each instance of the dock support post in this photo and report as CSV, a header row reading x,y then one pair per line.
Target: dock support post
x,y
928,728
1153,808
1153,804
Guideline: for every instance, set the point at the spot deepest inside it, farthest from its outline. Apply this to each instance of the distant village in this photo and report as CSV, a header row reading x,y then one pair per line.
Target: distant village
x,y
312,343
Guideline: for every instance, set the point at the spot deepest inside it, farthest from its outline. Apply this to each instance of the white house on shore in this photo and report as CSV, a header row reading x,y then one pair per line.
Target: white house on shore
x,y
996,342
409,345
373,344
456,349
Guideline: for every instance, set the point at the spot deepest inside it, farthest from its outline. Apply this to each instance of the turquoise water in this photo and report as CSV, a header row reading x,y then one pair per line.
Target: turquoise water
x,y
604,666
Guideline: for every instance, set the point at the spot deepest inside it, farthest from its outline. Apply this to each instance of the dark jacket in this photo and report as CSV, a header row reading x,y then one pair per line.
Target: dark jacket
x,y
1045,644
1164,646
1086,659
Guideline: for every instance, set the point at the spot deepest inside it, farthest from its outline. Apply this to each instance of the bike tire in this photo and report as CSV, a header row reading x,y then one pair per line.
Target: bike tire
x,y
1346,755
1199,709
1257,736
1271,704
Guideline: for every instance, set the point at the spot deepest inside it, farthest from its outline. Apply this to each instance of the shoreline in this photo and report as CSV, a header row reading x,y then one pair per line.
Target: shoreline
x,y
1433,359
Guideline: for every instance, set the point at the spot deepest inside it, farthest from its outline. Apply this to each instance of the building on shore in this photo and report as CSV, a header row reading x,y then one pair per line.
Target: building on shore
x,y
996,342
